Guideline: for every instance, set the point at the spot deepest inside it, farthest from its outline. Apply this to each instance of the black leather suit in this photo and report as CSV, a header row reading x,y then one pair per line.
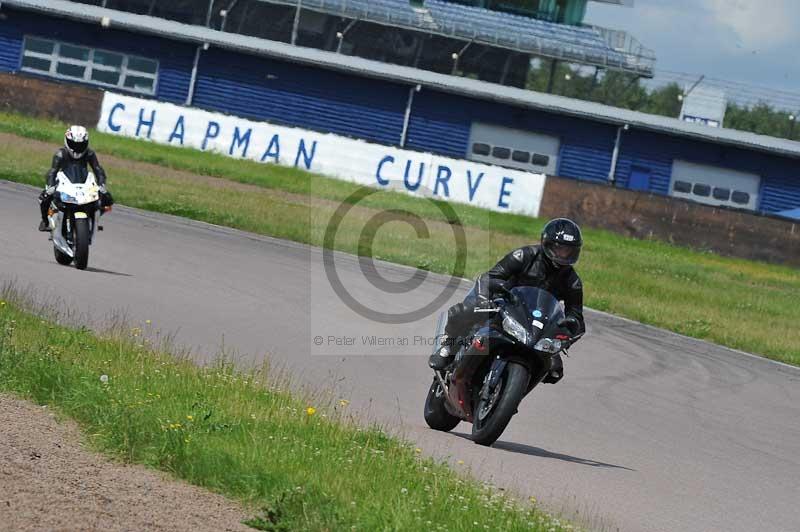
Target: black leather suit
x,y
527,266
76,171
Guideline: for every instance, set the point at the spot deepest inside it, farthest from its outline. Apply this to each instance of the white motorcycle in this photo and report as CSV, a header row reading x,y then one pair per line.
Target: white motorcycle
x,y
74,216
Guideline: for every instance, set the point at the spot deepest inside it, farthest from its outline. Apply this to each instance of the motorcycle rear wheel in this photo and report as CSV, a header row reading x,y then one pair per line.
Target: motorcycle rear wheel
x,y
513,385
436,415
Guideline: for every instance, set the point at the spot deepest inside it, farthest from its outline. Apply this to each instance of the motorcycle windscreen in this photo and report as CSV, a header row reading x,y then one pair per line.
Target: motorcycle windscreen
x,y
76,173
542,310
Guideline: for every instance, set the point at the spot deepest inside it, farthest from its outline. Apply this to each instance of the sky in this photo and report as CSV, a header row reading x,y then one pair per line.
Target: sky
x,y
751,41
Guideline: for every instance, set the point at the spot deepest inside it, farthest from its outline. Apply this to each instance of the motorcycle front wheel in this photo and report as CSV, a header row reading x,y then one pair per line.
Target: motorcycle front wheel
x,y
81,243
436,415
61,257
493,414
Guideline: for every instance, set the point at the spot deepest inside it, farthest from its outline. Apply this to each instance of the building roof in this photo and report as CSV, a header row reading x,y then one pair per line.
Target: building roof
x,y
412,76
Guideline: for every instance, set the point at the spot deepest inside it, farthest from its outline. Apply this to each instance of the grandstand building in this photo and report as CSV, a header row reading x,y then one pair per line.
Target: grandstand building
x,y
491,40
248,74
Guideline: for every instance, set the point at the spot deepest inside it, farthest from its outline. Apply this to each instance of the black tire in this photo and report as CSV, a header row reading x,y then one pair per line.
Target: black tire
x,y
62,258
514,384
436,415
81,243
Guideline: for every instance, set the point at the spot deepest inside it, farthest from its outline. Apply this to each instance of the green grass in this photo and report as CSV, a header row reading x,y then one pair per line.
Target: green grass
x,y
741,304
241,434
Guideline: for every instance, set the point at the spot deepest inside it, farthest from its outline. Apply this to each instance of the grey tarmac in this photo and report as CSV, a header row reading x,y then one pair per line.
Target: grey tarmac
x,y
649,431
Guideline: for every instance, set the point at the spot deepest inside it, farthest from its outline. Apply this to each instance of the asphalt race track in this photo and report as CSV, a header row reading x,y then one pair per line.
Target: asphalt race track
x,y
648,431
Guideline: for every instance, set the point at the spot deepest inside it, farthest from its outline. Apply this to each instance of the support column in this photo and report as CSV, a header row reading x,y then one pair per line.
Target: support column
x,y
407,118
551,79
296,24
612,172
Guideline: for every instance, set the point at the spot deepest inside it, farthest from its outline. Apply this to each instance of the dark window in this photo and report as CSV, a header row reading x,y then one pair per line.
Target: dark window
x,y
74,52
540,160
71,71
105,76
682,186
742,198
481,149
521,156
702,190
139,83
111,69
140,64
722,194
39,46
107,59
36,63
501,153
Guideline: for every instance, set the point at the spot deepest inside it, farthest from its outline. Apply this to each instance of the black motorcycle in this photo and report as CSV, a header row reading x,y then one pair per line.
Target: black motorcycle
x,y
506,356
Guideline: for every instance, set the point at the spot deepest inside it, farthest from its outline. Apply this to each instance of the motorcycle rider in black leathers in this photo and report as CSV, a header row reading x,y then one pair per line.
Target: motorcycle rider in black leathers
x,y
547,266
73,159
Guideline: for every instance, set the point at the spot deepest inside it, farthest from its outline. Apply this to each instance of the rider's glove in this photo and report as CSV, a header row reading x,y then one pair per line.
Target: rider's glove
x,y
102,189
484,303
49,191
571,324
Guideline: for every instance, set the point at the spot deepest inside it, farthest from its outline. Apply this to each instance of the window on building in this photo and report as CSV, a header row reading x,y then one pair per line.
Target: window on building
x,y
702,190
89,65
742,198
540,160
481,149
501,153
722,194
682,186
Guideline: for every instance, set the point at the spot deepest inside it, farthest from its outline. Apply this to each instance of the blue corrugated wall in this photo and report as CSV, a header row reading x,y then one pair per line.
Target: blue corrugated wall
x,y
324,100
174,59
443,121
302,96
780,177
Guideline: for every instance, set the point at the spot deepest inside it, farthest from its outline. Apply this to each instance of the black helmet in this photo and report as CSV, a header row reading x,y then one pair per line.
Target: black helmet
x,y
562,241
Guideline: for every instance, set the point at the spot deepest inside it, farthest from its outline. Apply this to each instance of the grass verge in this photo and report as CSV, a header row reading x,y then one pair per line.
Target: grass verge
x,y
698,294
302,465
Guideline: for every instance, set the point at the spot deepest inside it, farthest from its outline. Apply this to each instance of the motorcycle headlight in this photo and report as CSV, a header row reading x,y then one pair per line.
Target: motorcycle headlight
x,y
67,198
515,329
547,345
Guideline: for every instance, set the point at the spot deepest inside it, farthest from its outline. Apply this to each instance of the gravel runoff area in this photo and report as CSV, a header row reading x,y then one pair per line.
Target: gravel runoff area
x,y
49,481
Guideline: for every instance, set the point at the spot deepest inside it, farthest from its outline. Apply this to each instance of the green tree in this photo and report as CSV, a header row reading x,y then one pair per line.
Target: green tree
x,y
625,90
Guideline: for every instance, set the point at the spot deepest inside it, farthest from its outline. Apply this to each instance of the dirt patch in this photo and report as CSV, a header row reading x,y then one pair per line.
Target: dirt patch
x,y
48,481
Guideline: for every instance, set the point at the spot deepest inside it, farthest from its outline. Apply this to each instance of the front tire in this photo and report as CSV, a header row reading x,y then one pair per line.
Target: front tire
x,y
61,257
436,415
513,385
81,243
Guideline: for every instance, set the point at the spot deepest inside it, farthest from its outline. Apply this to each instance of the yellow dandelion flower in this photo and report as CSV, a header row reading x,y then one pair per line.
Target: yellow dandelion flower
x,y
311,411
344,402
417,450
460,462
190,418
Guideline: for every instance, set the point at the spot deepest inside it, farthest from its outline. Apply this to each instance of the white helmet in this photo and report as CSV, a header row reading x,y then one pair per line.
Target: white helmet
x,y
76,140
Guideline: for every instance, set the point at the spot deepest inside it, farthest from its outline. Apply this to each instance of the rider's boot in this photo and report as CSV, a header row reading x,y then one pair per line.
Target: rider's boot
x,y
441,358
44,226
556,372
